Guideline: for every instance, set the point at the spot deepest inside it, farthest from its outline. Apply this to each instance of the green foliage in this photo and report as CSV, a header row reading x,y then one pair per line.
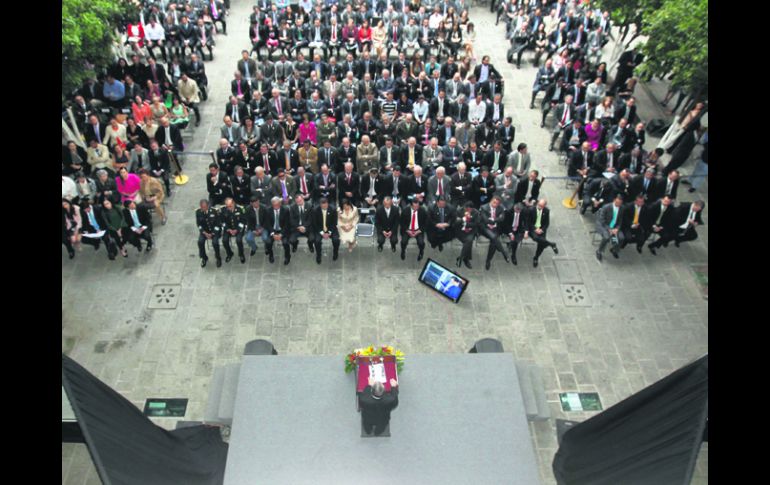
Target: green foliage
x,y
88,30
677,44
622,12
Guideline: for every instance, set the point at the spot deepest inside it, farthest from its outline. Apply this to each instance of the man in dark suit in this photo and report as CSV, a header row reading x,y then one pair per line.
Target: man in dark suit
x,y
278,225
160,165
440,219
209,229
669,186
372,185
304,185
539,220
240,88
169,136
609,220
496,158
632,161
645,185
323,220
661,222
627,112
513,227
483,187
680,224
376,405
197,71
328,155
635,215
256,215
596,193
506,133
93,222
139,225
485,70
414,221
466,225
266,159
461,186
581,161
299,222
527,191
349,185
218,185
397,186
287,152
626,65
325,184
236,109
492,215
233,222
417,186
95,130
386,222
606,160
241,186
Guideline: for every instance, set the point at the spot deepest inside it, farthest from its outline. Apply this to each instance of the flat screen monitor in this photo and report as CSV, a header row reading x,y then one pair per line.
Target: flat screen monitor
x,y
443,280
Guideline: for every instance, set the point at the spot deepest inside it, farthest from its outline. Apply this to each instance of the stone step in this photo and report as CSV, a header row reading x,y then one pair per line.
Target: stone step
x,y
538,387
211,415
527,391
229,389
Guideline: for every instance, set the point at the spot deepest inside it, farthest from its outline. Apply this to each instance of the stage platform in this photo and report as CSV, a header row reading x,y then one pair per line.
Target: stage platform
x,y
460,420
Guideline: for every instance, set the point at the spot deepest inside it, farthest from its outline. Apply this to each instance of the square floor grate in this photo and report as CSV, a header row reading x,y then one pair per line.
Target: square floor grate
x,y
164,296
575,295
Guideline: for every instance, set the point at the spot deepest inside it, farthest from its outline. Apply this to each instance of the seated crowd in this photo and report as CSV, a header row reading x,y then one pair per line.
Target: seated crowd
x,y
310,148
130,119
602,138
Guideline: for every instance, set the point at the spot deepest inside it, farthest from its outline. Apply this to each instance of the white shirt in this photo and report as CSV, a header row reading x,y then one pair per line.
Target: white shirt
x,y
690,216
529,189
477,111
154,33
371,187
68,188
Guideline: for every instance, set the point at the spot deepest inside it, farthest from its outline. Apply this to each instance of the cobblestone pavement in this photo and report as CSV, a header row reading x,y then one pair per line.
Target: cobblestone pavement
x,y
645,316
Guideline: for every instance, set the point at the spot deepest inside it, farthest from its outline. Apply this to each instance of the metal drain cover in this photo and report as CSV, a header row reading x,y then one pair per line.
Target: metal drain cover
x,y
164,296
575,295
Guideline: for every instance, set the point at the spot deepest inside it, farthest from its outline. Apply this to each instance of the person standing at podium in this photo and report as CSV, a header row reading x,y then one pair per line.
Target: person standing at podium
x,y
376,405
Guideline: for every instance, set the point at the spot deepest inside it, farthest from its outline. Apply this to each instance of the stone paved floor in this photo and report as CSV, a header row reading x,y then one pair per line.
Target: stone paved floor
x,y
645,320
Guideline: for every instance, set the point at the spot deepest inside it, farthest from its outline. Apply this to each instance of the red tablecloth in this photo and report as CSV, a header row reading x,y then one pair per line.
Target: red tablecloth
x,y
363,371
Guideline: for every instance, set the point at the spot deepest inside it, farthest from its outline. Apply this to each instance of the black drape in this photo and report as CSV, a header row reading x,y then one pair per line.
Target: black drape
x,y
127,448
652,437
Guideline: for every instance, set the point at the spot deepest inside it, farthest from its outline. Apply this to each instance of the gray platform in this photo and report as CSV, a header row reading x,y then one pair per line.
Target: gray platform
x,y
460,420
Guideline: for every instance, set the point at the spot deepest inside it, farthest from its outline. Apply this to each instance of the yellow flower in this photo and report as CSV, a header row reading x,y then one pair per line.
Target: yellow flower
x,y
390,349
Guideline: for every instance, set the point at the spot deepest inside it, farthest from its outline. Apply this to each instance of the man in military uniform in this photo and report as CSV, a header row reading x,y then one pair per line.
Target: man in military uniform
x,y
233,225
209,228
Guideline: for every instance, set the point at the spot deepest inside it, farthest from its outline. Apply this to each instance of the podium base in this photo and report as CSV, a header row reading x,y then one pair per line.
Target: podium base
x,y
384,434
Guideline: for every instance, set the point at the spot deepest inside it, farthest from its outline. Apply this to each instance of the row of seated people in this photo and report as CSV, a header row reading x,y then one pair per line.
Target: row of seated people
x,y
442,222
370,189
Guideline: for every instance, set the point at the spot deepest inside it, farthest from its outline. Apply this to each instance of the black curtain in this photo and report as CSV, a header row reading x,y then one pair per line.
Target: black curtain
x,y
652,437
127,448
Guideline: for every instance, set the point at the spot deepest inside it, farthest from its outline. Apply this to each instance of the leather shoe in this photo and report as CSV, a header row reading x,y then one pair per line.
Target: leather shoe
x,y
440,247
243,258
488,265
459,262
534,262
676,243
403,254
294,249
513,260
393,248
148,248
228,258
598,255
286,261
253,252
219,263
335,256
271,258
555,249
468,264
203,262
615,254
71,254
379,249
691,190
505,257
639,249
311,248
419,256
652,249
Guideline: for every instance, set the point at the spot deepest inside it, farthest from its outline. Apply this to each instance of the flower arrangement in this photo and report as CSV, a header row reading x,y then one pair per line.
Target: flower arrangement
x,y
375,352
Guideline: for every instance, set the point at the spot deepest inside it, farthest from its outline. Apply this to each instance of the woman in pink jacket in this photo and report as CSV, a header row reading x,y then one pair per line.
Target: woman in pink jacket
x,y
594,132
128,184
308,131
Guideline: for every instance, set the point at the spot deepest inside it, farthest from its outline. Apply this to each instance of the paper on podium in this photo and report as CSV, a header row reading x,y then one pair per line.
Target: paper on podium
x,y
95,235
377,372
